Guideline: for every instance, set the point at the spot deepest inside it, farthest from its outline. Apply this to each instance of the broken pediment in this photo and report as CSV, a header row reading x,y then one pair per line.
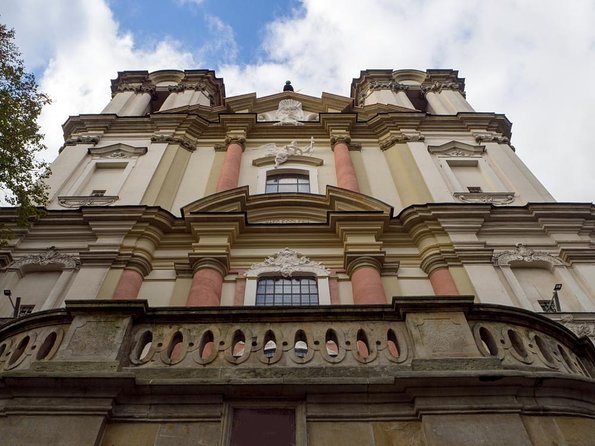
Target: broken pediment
x,y
457,149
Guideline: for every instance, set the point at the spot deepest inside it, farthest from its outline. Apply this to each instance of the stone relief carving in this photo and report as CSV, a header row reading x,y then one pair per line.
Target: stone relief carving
x,y
117,151
50,256
76,201
286,262
437,87
495,198
137,88
283,153
579,328
286,220
183,142
524,254
289,112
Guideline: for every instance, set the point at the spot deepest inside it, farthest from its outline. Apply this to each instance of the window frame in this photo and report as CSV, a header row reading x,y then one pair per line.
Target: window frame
x,y
287,169
283,294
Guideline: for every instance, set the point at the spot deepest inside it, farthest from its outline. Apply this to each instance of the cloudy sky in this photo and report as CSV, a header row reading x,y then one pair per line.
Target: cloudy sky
x,y
533,60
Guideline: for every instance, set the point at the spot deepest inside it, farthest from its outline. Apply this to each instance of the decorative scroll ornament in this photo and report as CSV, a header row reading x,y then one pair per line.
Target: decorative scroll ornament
x,y
77,201
437,87
82,139
287,262
282,154
137,88
49,257
412,136
495,198
491,137
579,327
525,255
289,112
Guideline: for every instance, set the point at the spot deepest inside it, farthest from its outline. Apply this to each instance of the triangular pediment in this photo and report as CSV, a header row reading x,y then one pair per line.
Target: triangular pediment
x,y
117,151
456,149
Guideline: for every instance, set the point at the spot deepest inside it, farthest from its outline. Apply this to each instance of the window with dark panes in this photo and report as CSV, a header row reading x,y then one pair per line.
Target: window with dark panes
x,y
287,182
287,291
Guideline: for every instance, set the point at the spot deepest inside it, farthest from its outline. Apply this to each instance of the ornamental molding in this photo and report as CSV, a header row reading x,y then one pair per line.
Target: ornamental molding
x,y
77,201
50,256
407,136
344,139
387,85
522,254
457,149
289,112
491,137
495,198
183,142
285,221
283,153
183,86
137,88
439,86
82,139
287,262
117,151
579,327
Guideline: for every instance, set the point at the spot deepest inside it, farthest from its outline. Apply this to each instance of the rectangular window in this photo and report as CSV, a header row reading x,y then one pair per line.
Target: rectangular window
x,y
263,427
103,178
290,291
288,183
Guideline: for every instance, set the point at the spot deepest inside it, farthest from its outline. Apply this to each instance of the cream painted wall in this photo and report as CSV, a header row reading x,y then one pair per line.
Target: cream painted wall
x,y
195,178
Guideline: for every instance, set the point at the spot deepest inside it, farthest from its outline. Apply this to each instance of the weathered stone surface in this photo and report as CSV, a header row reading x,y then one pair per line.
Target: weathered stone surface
x,y
479,430
130,434
44,430
577,431
189,434
340,433
398,433
441,335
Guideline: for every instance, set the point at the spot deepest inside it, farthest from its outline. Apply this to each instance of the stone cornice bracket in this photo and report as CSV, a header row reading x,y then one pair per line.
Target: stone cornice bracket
x,y
438,80
522,254
183,142
82,139
396,137
287,262
50,256
437,87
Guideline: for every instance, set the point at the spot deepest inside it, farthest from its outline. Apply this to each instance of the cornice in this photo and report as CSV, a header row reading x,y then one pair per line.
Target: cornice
x,y
183,142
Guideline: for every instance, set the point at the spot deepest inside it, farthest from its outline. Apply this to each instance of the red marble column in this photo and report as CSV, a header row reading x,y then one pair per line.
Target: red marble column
x,y
345,171
367,286
230,171
443,283
206,288
128,285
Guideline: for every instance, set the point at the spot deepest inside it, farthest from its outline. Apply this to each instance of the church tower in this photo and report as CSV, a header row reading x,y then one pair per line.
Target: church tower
x,y
376,269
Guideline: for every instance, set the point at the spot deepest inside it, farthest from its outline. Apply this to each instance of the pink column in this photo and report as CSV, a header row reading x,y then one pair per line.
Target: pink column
x,y
206,288
367,286
346,177
230,171
129,285
443,283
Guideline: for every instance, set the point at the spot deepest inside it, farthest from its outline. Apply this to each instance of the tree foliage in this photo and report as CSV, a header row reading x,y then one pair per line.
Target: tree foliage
x,y
21,174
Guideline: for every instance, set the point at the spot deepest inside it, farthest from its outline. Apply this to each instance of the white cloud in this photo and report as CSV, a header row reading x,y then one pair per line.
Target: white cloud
x,y
83,49
533,62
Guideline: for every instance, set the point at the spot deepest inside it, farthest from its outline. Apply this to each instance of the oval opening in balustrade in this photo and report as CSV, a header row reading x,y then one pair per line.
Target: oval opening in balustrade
x,y
392,343
239,344
488,341
174,349
270,344
363,347
207,343
517,343
566,358
2,349
300,346
332,343
544,349
19,350
46,346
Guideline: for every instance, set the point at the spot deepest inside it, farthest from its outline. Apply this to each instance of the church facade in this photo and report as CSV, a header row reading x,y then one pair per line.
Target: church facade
x,y
376,269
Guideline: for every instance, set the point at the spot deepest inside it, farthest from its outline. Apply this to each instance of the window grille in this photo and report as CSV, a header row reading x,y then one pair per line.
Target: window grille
x,y
291,291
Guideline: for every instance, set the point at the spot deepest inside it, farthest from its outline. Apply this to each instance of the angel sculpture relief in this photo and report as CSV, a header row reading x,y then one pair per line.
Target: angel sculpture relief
x,y
282,154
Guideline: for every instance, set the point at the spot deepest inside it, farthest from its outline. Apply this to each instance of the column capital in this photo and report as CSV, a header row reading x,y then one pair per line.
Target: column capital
x,y
236,137
219,263
343,138
354,261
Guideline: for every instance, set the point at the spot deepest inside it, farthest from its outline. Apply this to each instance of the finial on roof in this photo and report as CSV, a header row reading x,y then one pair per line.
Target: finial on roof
x,y
287,86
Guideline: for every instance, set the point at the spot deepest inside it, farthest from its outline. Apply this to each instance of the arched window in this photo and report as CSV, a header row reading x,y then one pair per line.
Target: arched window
x,y
287,278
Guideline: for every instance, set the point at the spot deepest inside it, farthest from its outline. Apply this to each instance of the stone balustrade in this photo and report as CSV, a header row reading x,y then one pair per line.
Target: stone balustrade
x,y
417,335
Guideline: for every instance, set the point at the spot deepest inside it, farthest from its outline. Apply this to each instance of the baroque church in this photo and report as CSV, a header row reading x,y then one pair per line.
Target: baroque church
x,y
380,269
